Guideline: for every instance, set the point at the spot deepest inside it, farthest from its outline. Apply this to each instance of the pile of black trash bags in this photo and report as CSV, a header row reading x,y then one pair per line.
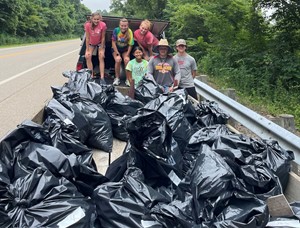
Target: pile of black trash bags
x,y
182,167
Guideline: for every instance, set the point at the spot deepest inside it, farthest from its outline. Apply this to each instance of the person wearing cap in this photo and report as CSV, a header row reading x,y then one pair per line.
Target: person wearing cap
x,y
188,68
163,67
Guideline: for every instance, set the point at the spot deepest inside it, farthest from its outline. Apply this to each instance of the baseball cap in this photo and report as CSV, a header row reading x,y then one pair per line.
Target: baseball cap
x,y
180,42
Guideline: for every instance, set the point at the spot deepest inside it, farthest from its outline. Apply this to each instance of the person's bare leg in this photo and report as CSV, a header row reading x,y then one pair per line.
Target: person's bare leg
x,y
88,58
101,55
118,60
126,61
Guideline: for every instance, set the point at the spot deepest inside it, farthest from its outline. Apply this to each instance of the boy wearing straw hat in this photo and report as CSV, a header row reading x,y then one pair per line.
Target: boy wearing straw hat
x,y
163,67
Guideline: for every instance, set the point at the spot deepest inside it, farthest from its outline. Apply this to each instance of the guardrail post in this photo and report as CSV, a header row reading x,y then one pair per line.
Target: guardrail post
x,y
284,120
287,122
202,78
230,93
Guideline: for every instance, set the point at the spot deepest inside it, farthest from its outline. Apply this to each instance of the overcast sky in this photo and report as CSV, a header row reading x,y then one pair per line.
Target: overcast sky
x,y
95,5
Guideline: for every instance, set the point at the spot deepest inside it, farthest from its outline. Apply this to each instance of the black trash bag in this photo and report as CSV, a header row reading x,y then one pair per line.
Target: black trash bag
x,y
120,109
236,209
172,106
247,157
175,214
242,154
153,149
207,136
208,113
279,161
55,109
81,82
116,170
210,175
28,147
65,136
101,134
123,204
147,90
79,169
4,195
258,180
32,132
40,199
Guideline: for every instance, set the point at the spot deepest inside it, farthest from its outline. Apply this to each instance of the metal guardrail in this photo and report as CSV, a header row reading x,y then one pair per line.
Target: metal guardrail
x,y
256,123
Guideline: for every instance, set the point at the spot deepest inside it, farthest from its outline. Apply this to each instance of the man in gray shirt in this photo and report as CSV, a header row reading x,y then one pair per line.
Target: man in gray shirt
x,y
164,68
188,68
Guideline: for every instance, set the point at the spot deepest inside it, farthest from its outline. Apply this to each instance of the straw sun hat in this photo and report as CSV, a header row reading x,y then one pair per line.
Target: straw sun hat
x,y
163,43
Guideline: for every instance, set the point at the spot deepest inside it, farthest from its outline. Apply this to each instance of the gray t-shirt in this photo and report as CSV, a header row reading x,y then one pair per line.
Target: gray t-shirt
x,y
164,71
187,64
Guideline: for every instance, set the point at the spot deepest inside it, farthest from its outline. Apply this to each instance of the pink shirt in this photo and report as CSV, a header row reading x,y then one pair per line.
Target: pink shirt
x,y
96,33
148,39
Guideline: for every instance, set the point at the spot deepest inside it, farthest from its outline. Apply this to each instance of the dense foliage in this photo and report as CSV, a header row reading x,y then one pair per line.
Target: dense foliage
x,y
37,20
252,46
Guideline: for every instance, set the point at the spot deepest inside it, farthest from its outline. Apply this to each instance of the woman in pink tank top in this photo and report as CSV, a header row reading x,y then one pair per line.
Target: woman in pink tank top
x,y
95,38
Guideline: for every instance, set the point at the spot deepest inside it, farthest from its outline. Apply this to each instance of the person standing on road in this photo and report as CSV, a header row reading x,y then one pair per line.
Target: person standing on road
x,y
122,42
188,68
136,69
145,39
95,38
164,68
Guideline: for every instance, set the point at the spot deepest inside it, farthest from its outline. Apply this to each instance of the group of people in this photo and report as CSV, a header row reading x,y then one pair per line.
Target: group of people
x,y
152,57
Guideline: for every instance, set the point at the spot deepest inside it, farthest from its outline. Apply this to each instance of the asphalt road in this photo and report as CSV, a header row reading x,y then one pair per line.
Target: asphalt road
x,y
27,74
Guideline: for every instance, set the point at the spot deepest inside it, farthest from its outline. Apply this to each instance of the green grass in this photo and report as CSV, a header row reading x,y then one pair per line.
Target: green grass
x,y
282,103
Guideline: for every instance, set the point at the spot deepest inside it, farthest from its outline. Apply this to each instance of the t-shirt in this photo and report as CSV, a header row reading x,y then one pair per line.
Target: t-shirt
x,y
138,70
187,64
122,41
164,71
147,39
96,33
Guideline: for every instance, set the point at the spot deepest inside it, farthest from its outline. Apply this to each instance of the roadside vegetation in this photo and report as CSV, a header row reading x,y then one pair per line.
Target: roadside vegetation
x,y
251,46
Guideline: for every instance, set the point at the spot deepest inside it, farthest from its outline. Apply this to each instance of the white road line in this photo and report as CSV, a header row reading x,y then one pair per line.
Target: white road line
x,y
33,68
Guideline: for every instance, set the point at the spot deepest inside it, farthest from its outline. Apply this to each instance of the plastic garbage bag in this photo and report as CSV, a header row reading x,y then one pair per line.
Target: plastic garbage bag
x,y
208,113
147,90
65,136
24,150
40,199
278,160
99,131
116,170
153,149
175,214
55,109
124,203
101,134
120,109
242,154
172,106
239,209
80,82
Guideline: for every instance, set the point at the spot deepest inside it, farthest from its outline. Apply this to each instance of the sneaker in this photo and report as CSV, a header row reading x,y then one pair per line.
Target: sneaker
x,y
116,82
127,83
